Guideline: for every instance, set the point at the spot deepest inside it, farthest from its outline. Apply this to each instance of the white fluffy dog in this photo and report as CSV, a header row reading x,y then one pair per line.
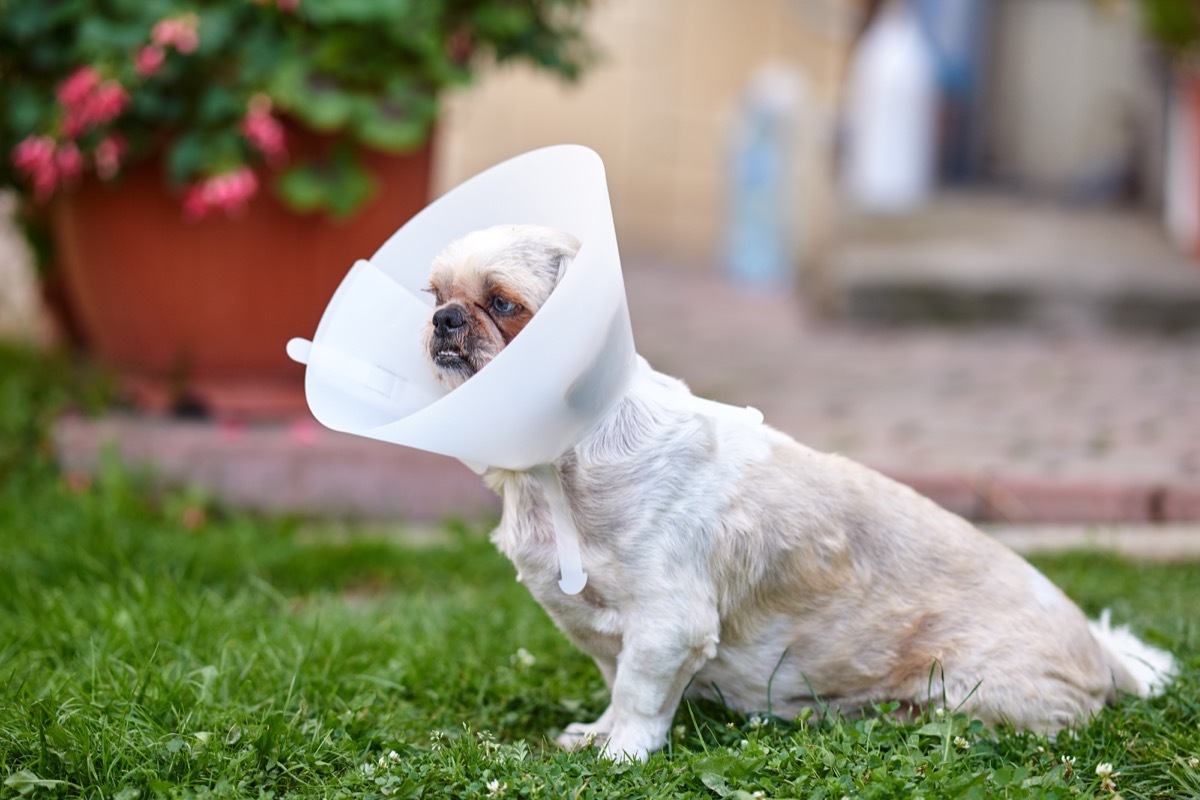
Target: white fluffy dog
x,y
727,561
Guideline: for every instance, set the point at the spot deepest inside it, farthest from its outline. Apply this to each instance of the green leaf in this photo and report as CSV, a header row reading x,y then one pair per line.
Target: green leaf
x,y
101,34
185,158
219,105
719,785
303,189
939,729
352,189
217,29
395,134
200,153
340,186
400,120
1010,775
315,99
716,782
25,108
713,770
1175,23
329,12
25,782
324,105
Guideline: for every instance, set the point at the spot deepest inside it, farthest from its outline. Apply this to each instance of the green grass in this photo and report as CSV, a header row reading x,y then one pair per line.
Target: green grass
x,y
153,645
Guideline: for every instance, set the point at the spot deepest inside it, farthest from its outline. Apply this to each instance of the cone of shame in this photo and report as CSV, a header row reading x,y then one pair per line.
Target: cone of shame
x,y
368,372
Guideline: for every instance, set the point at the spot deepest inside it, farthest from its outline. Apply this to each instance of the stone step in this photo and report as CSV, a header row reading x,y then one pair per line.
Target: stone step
x,y
989,260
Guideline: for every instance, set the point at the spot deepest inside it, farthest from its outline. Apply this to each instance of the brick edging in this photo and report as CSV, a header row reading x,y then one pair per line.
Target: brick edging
x,y
311,470
1003,498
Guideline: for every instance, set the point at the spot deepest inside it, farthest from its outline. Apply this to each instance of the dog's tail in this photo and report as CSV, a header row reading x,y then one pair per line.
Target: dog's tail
x,y
1139,668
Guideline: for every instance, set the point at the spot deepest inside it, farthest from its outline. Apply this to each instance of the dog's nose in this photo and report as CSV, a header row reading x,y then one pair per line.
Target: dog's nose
x,y
449,319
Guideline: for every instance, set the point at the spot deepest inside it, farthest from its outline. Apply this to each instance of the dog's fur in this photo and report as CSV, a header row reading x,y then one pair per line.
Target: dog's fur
x,y
726,560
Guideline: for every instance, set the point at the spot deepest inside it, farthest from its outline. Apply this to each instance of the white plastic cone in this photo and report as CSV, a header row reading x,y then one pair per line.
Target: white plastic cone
x,y
367,371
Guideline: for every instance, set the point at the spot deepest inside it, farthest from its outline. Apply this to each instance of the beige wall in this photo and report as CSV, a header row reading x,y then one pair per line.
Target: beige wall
x,y
656,108
1071,92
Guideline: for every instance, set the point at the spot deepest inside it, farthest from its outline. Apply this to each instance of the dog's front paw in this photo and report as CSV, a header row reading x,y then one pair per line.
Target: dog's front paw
x,y
632,743
621,752
582,735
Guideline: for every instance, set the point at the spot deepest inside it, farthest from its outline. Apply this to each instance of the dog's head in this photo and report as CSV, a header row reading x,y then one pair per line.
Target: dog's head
x,y
487,285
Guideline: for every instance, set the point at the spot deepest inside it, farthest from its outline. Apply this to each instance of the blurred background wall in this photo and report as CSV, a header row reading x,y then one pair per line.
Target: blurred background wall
x,y
1057,98
658,106
1074,101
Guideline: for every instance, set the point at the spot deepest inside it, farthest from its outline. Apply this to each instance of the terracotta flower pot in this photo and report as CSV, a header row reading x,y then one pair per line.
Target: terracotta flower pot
x,y
196,314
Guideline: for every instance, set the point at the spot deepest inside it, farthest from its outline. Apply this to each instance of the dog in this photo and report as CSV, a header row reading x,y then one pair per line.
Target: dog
x,y
726,561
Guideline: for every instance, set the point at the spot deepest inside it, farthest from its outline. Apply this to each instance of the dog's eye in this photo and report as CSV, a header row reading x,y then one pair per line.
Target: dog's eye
x,y
502,305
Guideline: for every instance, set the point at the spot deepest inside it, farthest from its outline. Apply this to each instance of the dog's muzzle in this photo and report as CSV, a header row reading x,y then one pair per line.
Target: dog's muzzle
x,y
447,346
450,320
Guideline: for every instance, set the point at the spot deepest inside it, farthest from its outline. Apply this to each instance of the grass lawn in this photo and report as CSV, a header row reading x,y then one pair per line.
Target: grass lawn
x,y
153,645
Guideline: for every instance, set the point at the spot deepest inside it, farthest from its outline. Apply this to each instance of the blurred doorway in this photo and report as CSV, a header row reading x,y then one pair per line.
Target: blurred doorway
x,y
1073,102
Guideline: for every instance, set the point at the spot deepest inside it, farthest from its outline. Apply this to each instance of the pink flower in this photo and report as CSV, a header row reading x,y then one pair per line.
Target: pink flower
x,y
35,157
33,153
263,130
108,101
78,85
229,191
180,32
108,155
87,104
68,161
287,5
148,60
194,205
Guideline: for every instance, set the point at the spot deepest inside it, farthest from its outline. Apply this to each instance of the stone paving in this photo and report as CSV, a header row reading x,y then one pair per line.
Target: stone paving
x,y
1002,418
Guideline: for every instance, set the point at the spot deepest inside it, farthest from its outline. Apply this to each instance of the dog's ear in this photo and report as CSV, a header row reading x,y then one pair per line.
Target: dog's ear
x,y
563,261
565,247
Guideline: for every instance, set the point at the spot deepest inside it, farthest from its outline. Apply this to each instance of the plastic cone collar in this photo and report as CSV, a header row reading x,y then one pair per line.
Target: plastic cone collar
x,y
369,375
